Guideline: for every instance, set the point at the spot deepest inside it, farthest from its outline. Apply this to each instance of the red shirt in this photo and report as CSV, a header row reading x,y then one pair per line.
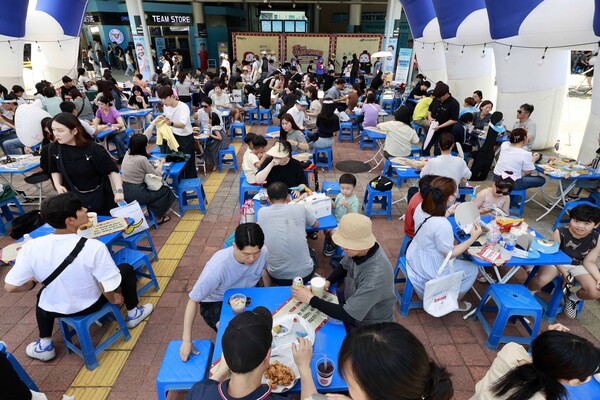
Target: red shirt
x,y
409,222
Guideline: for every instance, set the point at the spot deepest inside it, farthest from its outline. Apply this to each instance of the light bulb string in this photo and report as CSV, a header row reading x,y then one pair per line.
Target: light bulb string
x,y
510,46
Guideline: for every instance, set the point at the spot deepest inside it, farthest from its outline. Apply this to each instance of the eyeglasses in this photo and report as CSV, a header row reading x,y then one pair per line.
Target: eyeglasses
x,y
498,191
204,106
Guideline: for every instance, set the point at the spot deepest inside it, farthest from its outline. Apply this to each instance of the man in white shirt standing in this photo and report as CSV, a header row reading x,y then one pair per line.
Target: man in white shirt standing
x,y
84,286
177,115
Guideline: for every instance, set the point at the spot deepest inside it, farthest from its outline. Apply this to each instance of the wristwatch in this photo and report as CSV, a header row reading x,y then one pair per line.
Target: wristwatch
x,y
119,191
171,123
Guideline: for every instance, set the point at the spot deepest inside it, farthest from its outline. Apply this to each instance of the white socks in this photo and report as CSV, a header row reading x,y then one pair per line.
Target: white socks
x,y
573,296
132,313
45,342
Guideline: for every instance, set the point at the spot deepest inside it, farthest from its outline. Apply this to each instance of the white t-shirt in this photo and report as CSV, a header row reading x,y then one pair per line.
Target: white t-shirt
x,y
248,166
181,114
513,159
77,287
449,166
399,138
297,115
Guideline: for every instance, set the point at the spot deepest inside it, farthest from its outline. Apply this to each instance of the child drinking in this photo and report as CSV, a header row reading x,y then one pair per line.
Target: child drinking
x,y
579,241
344,203
496,196
254,158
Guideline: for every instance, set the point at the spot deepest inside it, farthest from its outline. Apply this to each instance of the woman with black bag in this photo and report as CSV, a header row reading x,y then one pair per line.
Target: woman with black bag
x,y
80,165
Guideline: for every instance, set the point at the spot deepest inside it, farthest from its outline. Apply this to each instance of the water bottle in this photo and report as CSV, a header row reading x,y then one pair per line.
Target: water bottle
x,y
509,245
26,238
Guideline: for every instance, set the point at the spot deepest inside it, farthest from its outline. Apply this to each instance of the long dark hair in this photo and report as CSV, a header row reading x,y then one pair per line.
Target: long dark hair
x,y
436,194
137,145
105,88
82,139
556,355
287,117
389,362
327,111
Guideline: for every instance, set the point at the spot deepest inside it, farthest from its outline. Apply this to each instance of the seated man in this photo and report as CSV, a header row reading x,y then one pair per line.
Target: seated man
x,y
579,241
246,356
285,235
69,107
238,266
89,280
368,296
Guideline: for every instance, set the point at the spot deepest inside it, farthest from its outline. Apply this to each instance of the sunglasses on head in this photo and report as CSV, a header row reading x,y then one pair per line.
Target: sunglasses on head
x,y
503,193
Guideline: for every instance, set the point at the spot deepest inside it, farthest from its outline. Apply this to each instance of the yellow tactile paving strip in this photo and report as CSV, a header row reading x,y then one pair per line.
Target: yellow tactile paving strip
x,y
97,384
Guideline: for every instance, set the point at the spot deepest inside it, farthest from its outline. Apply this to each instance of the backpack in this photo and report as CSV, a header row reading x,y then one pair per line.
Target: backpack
x,y
382,183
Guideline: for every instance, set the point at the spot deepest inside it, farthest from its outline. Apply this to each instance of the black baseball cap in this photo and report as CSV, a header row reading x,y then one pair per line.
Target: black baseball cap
x,y
247,340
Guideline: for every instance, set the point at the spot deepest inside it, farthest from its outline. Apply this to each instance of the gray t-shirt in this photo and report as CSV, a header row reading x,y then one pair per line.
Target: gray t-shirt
x,y
369,289
333,93
284,226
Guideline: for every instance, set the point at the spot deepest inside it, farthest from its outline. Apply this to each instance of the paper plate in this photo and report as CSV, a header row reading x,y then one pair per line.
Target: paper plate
x,y
537,245
285,358
465,215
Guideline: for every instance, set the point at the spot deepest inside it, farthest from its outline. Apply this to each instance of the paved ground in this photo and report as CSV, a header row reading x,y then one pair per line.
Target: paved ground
x,y
128,369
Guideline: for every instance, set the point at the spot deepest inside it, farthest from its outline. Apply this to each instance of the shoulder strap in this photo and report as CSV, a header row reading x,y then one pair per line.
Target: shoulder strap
x,y
420,226
74,253
61,167
82,106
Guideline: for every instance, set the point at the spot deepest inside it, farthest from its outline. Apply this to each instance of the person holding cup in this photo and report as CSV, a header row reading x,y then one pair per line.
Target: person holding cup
x,y
238,266
368,296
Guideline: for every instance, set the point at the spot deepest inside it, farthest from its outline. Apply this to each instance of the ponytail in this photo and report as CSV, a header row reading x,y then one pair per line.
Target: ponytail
x,y
525,381
440,387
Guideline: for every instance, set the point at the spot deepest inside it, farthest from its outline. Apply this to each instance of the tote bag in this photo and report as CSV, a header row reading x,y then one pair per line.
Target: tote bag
x,y
441,294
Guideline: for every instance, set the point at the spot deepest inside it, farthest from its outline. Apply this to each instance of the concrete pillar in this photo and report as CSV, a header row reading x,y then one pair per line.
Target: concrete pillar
x,y
198,18
135,10
394,12
354,18
316,17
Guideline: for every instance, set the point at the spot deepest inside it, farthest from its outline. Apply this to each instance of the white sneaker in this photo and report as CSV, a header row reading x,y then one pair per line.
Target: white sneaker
x,y
35,350
141,313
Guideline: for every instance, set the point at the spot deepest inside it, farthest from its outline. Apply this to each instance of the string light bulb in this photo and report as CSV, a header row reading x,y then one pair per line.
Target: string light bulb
x,y
541,62
462,51
446,51
59,45
11,48
508,54
483,51
422,45
38,45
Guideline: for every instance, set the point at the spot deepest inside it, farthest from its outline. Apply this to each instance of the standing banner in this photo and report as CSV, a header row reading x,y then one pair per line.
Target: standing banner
x,y
350,43
404,61
306,47
159,46
202,50
389,62
143,55
248,45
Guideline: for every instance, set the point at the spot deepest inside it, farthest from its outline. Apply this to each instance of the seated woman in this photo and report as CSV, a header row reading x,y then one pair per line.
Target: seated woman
x,y
434,239
399,134
407,372
250,103
139,101
514,157
314,109
370,111
292,133
111,119
496,196
281,167
482,118
220,101
184,87
134,169
447,164
328,124
217,139
558,359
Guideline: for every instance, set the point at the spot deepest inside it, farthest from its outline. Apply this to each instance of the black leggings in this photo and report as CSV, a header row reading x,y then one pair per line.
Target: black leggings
x,y
45,319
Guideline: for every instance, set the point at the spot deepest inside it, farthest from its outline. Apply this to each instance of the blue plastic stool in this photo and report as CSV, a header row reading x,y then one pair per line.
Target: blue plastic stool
x,y
365,142
81,327
246,188
7,215
328,153
386,105
138,261
415,150
264,112
385,199
191,185
553,306
133,242
19,369
231,151
238,126
150,217
404,299
346,131
175,374
331,188
512,302
417,128
522,195
390,172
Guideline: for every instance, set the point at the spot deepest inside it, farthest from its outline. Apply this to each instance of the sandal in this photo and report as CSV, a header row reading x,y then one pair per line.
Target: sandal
x,y
464,306
164,219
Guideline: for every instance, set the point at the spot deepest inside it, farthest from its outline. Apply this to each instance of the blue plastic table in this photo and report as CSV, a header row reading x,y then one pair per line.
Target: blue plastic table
x,y
22,165
377,137
137,115
327,341
328,222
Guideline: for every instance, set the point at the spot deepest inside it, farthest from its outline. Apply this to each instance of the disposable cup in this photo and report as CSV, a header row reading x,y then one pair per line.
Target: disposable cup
x,y
93,217
325,370
238,303
317,286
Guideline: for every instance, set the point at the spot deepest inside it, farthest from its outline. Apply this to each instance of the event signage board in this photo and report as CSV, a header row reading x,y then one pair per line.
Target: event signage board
x,y
404,60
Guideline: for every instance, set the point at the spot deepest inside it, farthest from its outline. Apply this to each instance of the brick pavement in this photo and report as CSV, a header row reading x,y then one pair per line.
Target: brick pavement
x,y
453,342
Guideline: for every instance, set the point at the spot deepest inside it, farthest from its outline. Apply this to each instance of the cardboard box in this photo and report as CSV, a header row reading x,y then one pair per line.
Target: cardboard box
x,y
319,204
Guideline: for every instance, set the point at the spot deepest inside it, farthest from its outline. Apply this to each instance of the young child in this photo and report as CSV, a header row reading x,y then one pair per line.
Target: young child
x,y
254,159
248,140
496,196
580,242
344,203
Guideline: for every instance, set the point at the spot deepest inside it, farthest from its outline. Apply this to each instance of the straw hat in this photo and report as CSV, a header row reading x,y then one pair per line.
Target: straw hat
x,y
354,232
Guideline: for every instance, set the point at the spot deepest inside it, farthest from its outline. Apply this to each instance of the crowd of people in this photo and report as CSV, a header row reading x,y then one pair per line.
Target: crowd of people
x,y
379,358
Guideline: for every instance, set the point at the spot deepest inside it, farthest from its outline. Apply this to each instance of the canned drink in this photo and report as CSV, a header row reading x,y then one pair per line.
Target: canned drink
x,y
297,281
